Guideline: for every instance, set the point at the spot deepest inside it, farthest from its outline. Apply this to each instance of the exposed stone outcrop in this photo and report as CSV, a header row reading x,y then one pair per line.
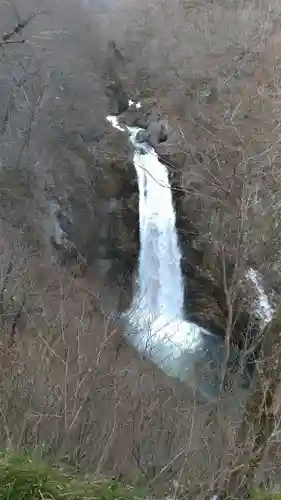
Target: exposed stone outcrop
x,y
93,213
118,100
142,116
155,133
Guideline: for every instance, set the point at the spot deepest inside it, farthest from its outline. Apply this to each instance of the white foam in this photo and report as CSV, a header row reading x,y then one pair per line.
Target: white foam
x,y
115,123
156,316
264,309
157,310
133,103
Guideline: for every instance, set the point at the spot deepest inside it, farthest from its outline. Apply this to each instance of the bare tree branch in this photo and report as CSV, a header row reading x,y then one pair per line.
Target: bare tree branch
x,y
20,26
11,41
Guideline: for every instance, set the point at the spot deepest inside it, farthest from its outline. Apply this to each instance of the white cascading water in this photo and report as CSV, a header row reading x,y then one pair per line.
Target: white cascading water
x,y
263,307
157,310
158,328
160,280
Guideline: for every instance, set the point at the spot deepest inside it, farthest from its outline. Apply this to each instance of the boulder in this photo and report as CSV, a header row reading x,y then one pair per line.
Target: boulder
x,y
155,133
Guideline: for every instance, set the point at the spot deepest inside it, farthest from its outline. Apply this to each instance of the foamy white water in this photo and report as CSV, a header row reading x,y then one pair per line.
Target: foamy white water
x,y
160,280
158,327
264,309
133,103
115,123
158,302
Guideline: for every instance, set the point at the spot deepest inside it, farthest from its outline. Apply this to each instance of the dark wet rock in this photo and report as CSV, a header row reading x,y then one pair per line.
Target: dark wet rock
x,y
118,101
142,136
155,133
115,51
117,97
97,208
141,117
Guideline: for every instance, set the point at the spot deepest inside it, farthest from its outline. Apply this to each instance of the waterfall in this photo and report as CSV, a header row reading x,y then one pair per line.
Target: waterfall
x,y
156,322
157,309
160,279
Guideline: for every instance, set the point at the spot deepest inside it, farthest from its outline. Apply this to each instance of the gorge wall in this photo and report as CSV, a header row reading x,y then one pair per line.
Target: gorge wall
x,y
79,188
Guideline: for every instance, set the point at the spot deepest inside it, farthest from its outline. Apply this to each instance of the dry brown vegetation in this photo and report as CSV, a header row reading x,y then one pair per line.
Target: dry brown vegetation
x,y
215,68
71,388
70,391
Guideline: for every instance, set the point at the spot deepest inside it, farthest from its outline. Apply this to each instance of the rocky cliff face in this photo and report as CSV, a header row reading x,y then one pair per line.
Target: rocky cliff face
x,y
97,210
67,179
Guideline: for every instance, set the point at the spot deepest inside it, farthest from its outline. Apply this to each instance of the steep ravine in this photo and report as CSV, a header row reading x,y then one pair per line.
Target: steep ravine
x,y
95,192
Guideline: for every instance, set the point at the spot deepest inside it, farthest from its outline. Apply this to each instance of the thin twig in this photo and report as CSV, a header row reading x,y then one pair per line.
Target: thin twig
x,y
5,42
20,26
